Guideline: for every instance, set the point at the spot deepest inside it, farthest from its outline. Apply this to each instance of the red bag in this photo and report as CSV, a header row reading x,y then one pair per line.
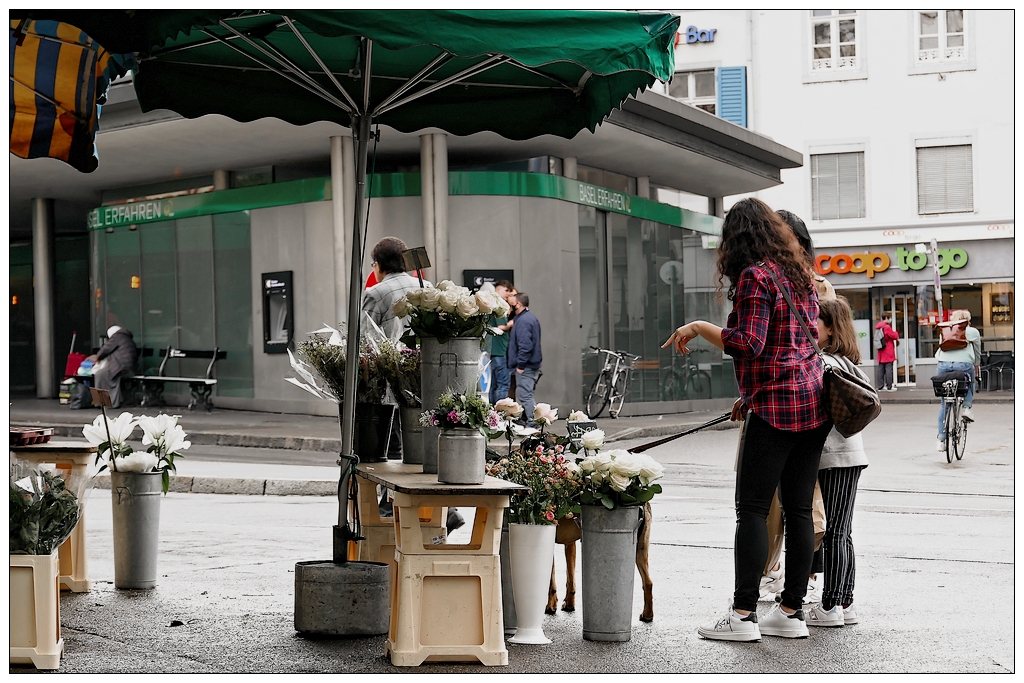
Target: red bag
x,y
74,360
953,337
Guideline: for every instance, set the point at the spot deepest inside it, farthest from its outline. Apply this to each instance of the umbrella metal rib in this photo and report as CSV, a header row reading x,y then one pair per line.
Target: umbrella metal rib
x,y
316,57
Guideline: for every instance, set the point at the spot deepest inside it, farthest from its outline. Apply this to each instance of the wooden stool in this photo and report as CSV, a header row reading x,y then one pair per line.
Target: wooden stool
x,y
70,457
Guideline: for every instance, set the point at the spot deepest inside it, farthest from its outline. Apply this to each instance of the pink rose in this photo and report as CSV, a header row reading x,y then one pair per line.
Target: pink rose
x,y
550,516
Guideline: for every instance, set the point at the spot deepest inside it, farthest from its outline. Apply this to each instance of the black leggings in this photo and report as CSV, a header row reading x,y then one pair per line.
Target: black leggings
x,y
788,461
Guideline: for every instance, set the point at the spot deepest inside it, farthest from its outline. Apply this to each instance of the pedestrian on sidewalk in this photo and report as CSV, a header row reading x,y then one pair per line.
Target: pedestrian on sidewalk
x,y
842,461
500,377
966,359
886,340
117,358
780,382
392,284
524,355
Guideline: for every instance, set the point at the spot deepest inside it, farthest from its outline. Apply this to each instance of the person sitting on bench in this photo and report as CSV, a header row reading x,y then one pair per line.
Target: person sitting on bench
x,y
120,355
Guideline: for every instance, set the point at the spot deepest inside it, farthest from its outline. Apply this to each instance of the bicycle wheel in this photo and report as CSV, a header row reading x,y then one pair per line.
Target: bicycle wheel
x,y
960,442
673,389
618,394
597,399
700,385
950,427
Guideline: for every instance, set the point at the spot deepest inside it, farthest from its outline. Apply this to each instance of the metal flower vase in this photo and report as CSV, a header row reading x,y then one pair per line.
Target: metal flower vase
x,y
372,433
454,364
531,554
461,456
609,558
412,435
135,498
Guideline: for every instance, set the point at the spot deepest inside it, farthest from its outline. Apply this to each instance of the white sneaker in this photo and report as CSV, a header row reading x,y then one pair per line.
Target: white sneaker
x,y
733,627
967,414
778,623
940,445
813,594
772,583
849,615
892,388
817,615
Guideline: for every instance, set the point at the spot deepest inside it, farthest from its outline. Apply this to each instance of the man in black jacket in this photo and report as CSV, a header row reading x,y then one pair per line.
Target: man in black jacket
x,y
524,356
119,355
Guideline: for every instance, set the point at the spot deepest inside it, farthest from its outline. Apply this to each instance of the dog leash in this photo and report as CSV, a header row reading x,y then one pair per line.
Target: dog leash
x,y
643,447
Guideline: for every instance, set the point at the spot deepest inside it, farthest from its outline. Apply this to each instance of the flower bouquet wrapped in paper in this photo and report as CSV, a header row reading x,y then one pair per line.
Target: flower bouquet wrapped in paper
x,y
401,367
45,506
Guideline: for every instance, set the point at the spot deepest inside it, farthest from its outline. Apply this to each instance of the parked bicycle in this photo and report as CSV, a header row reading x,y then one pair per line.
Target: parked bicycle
x,y
611,384
952,393
686,380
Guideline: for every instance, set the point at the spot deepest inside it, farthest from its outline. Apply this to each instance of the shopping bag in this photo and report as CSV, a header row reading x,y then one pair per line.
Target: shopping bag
x,y
776,526
71,367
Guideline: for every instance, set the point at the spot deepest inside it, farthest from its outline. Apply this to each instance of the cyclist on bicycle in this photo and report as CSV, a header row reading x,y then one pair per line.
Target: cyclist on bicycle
x,y
967,358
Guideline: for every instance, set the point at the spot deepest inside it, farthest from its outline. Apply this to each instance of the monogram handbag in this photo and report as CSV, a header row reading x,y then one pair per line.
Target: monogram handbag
x,y
851,402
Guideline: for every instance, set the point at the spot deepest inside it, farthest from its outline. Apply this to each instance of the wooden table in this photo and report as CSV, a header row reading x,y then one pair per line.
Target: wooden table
x,y
445,599
70,457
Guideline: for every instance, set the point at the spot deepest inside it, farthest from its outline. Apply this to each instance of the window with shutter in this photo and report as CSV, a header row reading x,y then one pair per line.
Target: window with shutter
x,y
945,179
695,88
837,186
732,94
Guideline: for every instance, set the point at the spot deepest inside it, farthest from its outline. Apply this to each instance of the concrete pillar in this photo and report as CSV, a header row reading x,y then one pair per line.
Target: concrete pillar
x,y
643,187
443,270
43,293
716,206
427,200
221,180
569,167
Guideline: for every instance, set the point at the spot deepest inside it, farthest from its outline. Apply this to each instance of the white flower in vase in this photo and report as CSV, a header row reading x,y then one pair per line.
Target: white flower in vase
x,y
414,297
592,440
486,302
509,408
120,430
137,461
619,482
402,308
467,307
449,301
577,416
445,285
650,469
543,413
626,464
431,299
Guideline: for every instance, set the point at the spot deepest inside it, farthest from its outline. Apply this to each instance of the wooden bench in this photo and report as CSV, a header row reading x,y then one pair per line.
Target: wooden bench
x,y
201,387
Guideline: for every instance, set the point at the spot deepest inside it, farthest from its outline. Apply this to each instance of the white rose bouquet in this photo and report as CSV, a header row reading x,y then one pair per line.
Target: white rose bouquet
x,y
449,311
619,478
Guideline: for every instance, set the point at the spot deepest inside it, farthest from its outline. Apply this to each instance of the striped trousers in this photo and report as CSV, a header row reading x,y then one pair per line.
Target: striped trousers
x,y
838,492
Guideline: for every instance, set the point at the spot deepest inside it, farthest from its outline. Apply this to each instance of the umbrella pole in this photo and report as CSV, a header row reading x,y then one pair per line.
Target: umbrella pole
x,y
342,532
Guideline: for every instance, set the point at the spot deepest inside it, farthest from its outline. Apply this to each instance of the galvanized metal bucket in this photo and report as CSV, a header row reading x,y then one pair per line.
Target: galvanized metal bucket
x,y
412,435
461,457
609,565
454,364
135,498
372,434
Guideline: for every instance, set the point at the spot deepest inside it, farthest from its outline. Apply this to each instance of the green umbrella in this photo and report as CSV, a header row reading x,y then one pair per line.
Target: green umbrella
x,y
519,73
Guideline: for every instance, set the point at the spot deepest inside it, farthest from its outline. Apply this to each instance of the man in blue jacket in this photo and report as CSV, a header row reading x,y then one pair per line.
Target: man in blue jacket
x,y
524,355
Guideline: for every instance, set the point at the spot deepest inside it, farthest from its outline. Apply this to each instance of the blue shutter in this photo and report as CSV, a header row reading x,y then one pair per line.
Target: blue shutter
x,y
732,94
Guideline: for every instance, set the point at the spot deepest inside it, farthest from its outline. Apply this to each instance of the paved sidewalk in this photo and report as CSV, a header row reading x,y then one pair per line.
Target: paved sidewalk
x,y
242,428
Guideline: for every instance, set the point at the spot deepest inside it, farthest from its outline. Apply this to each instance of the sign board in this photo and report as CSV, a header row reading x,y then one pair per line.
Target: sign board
x,y
473,279
671,272
1002,308
576,430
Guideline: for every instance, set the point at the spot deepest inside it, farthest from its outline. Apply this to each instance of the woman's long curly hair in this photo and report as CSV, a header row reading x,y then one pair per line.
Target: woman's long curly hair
x,y
752,232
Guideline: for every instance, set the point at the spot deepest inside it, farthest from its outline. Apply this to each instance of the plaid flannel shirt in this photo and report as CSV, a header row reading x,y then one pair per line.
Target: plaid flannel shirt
x,y
778,372
379,300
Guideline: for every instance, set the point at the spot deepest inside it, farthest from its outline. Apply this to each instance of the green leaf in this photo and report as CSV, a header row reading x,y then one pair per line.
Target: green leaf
x,y
608,502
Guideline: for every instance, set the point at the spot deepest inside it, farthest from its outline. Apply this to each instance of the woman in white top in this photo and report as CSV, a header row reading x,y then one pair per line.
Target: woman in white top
x,y
842,461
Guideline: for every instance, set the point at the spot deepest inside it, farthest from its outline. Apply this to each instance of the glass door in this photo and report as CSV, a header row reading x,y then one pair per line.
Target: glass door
x,y
903,307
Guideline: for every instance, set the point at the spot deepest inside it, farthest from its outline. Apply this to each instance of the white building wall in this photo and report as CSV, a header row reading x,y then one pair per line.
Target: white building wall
x,y
885,110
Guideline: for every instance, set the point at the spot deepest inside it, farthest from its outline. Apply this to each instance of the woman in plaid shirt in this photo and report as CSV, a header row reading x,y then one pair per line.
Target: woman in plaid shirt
x,y
780,381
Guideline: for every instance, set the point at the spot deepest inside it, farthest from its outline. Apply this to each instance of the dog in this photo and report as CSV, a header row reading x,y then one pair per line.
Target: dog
x,y
567,533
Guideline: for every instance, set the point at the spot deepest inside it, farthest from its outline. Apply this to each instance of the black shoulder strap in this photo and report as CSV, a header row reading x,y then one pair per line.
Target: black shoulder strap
x,y
792,308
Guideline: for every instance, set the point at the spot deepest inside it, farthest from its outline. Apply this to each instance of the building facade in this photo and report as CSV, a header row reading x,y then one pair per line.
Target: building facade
x,y
189,220
906,123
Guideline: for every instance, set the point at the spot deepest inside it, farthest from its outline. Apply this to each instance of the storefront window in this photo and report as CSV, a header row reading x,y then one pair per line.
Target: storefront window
x,y
658,277
184,283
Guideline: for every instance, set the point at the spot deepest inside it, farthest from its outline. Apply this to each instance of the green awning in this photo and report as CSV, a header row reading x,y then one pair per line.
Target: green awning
x,y
537,72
